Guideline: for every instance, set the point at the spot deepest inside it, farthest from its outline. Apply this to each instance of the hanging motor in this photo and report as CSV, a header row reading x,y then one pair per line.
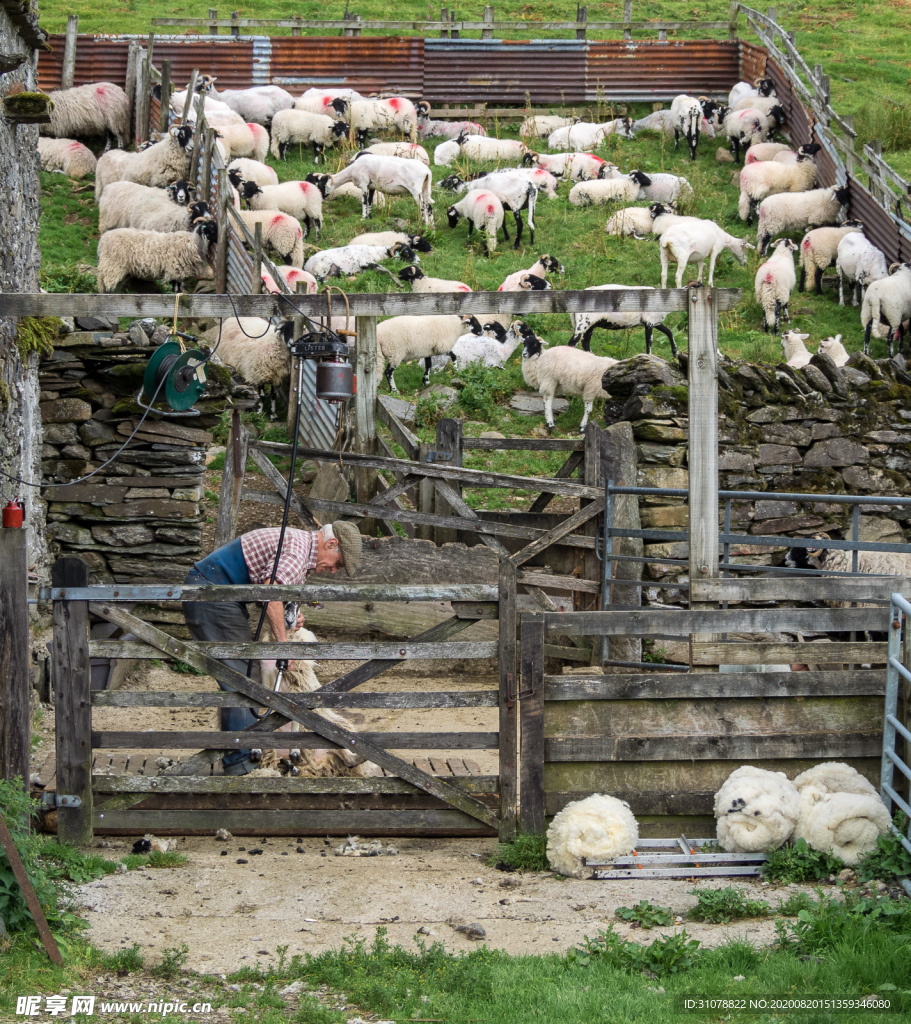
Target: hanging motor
x,y
335,380
176,375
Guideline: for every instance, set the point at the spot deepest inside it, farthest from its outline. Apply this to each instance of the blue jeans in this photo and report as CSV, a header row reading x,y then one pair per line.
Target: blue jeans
x,y
229,621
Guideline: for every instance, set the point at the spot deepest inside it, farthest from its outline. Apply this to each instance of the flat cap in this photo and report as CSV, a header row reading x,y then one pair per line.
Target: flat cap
x,y
349,542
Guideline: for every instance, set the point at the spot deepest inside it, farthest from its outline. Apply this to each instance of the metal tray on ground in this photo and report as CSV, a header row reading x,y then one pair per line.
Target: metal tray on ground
x,y
677,858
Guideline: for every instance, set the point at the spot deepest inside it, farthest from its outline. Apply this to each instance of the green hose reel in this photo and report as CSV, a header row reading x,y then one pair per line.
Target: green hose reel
x,y
175,375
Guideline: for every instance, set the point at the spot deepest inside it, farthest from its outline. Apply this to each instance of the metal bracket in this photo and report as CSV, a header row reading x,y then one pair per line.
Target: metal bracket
x,y
52,800
438,457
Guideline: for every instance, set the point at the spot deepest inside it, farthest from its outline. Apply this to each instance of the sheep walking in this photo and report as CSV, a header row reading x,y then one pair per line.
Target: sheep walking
x,y
393,114
584,324
795,350
403,339
775,280
888,301
799,211
860,263
100,108
597,829
687,114
159,165
695,241
67,156
757,810
299,128
390,174
154,255
545,264
299,199
758,180
280,231
484,211
819,251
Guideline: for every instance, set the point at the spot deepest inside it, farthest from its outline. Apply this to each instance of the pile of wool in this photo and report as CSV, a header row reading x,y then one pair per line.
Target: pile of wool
x,y
598,828
757,810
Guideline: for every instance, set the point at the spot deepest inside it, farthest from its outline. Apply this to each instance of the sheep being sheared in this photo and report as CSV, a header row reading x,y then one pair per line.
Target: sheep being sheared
x,y
757,810
599,828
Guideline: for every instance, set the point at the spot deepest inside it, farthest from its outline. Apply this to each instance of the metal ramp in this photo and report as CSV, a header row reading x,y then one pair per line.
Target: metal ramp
x,y
678,858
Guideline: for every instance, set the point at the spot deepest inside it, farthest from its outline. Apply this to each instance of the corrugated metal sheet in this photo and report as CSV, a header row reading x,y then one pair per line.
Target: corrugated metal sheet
x,y
369,64
501,71
660,70
98,59
262,60
752,61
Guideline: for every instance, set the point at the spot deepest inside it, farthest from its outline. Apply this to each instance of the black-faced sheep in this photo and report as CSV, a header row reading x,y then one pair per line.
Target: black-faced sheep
x,y
299,199
124,204
584,324
159,165
545,264
484,211
403,339
799,211
768,178
420,282
300,128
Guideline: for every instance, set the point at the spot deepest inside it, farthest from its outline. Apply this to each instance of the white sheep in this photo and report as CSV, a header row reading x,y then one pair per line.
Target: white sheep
x,y
495,180
540,126
300,199
395,113
584,324
757,810
833,348
300,128
259,103
819,250
583,137
609,190
346,191
492,348
887,301
154,255
253,170
860,263
292,276
745,128
687,115
446,154
762,87
244,140
666,188
484,211
416,243
124,204
258,351
775,280
344,92
488,150
799,211
352,259
420,282
403,339
640,221
564,371
574,166
159,165
695,241
769,177
390,174
429,129
217,114
330,106
662,121
545,264
516,193
599,829
406,150
67,156
764,104
765,151
795,351
100,108
280,231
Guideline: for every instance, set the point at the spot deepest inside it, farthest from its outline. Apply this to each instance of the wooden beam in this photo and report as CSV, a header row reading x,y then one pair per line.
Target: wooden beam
x,y
447,25
274,476
15,684
400,433
234,784
509,711
531,784
449,442
219,649
523,444
263,592
310,701
566,470
151,739
786,654
28,892
561,531
801,588
232,482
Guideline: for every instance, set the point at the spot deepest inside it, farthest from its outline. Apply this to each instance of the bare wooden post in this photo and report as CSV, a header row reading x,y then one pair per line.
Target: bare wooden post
x,y
206,174
130,84
582,18
165,103
772,15
296,31
662,35
365,412
293,396
627,18
426,495
849,153
235,28
531,709
143,84
14,655
147,88
509,713
221,249
444,17
449,440
232,482
733,21
73,697
454,33
213,17
69,52
198,133
191,90
487,33
257,258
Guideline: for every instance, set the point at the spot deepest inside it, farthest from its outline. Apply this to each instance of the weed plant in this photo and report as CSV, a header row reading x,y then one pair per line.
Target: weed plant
x,y
646,914
527,852
890,861
798,863
669,954
719,906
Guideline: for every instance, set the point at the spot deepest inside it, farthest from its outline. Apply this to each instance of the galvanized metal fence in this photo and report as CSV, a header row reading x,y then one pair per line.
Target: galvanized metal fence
x,y
896,732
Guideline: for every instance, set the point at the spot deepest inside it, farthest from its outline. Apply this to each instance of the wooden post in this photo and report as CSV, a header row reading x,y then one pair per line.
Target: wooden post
x,y
130,84
257,258
296,31
449,439
298,330
235,28
165,96
14,655
191,89
509,717
206,176
142,95
627,18
772,15
591,475
232,482
444,17
582,18
531,710
69,52
849,154
365,412
221,248
487,33
426,494
73,699
213,17
733,22
198,133
454,33
147,87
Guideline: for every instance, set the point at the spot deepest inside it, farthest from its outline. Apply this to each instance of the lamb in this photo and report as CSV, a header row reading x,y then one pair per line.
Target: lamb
x,y
666,188
492,348
124,204
833,348
298,128
429,129
417,243
280,231
483,149
758,180
662,121
799,211
795,351
100,108
391,174
765,151
352,259
757,810
244,140
258,351
545,264
159,165
292,276
421,283
575,166
598,193
775,280
563,370
540,126
258,104
67,156
402,339
584,324
762,87
858,261
300,199
446,154
696,241
253,170
745,128
687,114
392,114
887,301
583,137
599,828
154,255
819,250
407,150
484,211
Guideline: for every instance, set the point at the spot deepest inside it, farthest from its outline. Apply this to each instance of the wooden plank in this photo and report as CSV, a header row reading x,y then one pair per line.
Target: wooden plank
x,y
458,504
166,739
784,654
317,699
562,530
272,474
710,685
315,592
566,470
232,482
219,649
509,713
476,610
795,588
280,703
231,784
449,442
69,56
703,748
400,433
537,577
566,653
72,682
523,444
28,891
15,680
531,777
669,300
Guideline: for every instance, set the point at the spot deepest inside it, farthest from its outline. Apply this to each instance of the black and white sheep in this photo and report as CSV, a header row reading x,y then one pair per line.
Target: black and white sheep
x,y
545,264
662,121
584,324
352,259
775,280
830,560
300,128
430,129
124,204
483,210
407,150
67,156
492,348
417,243
763,151
687,113
545,181
666,188
155,256
888,301
819,250
745,128
516,193
574,166
762,87
281,232
695,241
393,175
640,221
860,263
300,199
100,108
259,103
346,191
243,140
769,178
403,339
799,211
420,282
393,114
336,107
159,165
609,190
582,137
252,170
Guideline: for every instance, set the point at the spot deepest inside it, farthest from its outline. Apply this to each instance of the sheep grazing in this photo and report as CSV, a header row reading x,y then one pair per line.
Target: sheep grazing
x,y
541,126
833,348
516,193
420,282
775,280
100,108
406,150
393,114
346,191
599,829
280,231
545,264
666,188
860,263
888,301
292,276
564,371
498,180
765,151
819,250
390,174
757,810
300,199
124,204
695,241
584,324
403,339
603,191
352,259
799,211
745,128
258,351
66,156
583,137
758,180
159,165
429,129
299,128
762,87
244,140
687,114
487,150
155,256
574,166
253,170
795,351
484,211
417,243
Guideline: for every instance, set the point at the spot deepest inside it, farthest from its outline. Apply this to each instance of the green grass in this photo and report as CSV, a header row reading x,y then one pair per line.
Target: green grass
x,y
526,852
718,906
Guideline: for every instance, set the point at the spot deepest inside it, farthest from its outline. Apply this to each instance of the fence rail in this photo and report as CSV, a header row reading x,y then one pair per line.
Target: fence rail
x,y
896,752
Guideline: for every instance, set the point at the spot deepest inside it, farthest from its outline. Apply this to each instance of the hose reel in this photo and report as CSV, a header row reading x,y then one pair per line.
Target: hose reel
x,y
175,375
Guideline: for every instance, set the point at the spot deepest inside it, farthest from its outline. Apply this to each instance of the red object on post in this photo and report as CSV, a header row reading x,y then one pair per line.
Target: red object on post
x,y
12,514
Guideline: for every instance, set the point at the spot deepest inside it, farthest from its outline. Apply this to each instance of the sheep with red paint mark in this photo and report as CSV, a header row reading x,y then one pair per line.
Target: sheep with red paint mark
x,y
775,280
281,232
250,140
292,276
301,199
483,210
100,108
394,114
66,156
